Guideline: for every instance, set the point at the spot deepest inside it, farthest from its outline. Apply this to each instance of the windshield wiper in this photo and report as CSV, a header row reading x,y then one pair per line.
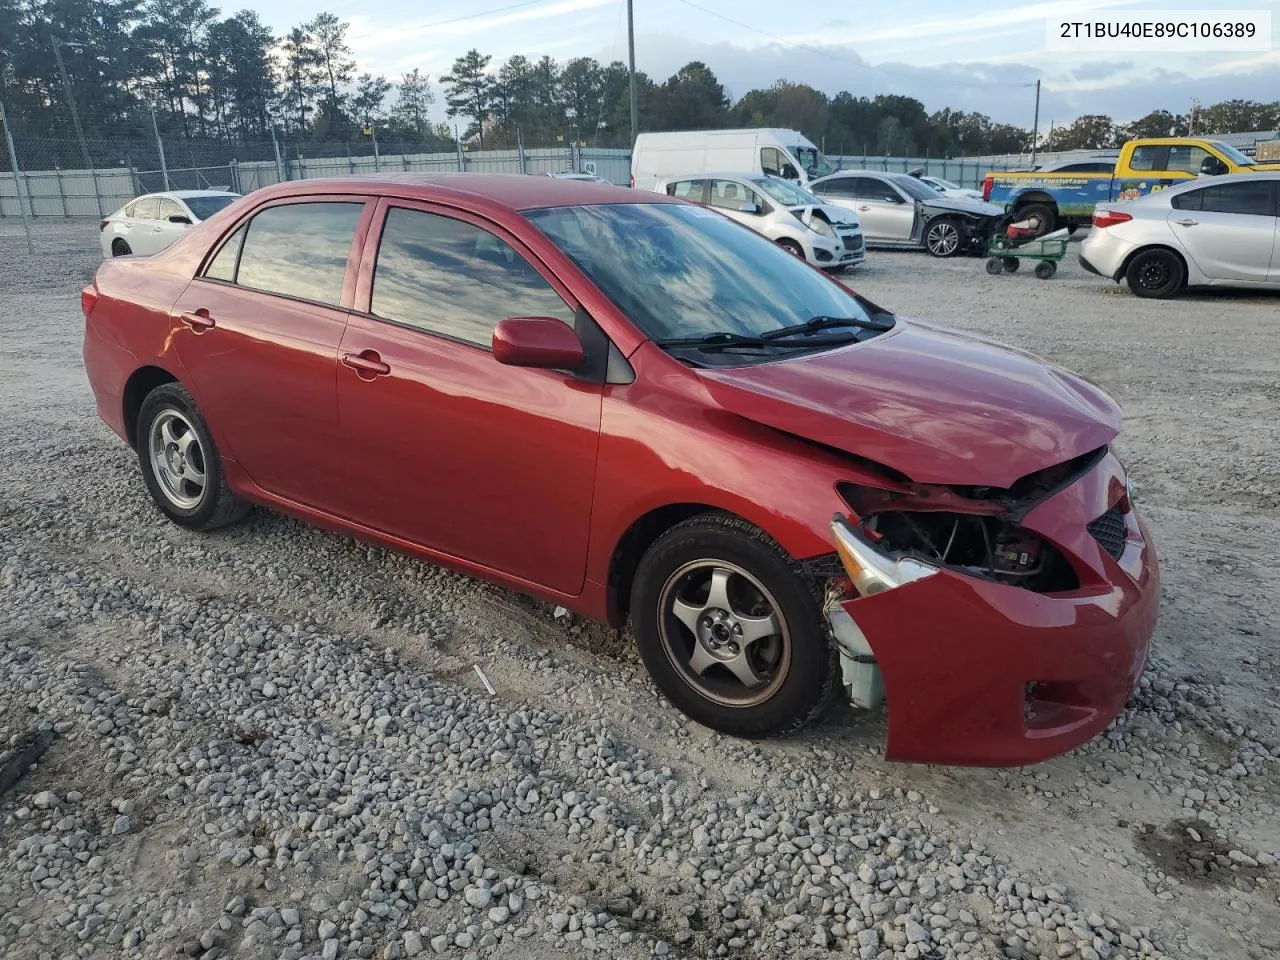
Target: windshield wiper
x,y
725,340
814,324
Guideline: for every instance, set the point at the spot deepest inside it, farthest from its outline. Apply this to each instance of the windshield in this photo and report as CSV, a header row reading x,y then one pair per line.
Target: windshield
x,y
206,207
913,187
786,193
678,271
814,163
1234,155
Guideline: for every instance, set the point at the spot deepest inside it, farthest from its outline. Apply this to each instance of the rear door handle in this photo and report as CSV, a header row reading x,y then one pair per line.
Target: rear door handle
x,y
367,363
1187,222
199,320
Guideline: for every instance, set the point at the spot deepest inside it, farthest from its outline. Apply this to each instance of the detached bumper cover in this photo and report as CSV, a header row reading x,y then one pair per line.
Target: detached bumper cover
x,y
984,674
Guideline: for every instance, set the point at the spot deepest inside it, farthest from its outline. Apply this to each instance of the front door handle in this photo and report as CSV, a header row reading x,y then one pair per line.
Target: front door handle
x,y
367,364
1186,222
199,320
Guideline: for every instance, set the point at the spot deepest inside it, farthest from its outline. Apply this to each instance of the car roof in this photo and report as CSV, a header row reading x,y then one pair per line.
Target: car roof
x,y
510,191
1195,183
184,194
878,174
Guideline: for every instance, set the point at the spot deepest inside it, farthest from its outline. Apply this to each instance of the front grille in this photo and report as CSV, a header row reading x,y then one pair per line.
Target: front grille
x,y
852,242
1108,530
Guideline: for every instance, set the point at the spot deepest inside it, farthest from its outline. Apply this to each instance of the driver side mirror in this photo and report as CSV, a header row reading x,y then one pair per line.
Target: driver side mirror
x,y
749,208
179,218
537,342
1212,167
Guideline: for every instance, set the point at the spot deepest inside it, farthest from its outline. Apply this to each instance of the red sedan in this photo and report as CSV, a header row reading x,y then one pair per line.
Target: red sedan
x,y
634,407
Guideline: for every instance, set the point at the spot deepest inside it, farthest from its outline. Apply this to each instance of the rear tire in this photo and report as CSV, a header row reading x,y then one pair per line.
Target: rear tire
x,y
730,630
1046,269
1011,264
1155,274
995,266
180,463
1042,215
120,248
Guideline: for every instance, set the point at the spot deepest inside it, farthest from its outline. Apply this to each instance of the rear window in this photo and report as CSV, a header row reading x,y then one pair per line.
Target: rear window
x,y
148,208
300,250
206,207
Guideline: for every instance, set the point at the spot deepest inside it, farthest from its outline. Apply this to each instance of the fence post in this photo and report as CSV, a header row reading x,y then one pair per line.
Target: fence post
x,y
62,193
235,175
351,167
17,185
457,141
275,145
520,149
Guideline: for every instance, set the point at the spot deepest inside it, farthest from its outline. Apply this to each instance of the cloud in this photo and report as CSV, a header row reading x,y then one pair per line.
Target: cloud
x,y
1101,70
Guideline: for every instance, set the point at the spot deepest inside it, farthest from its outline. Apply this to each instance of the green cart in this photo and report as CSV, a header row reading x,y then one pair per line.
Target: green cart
x,y
1005,252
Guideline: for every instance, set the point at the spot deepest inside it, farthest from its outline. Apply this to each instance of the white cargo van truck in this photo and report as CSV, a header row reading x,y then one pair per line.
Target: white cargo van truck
x,y
783,153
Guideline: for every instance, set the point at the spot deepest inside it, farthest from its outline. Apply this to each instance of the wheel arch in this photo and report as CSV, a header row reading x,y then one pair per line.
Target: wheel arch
x,y
1034,197
140,383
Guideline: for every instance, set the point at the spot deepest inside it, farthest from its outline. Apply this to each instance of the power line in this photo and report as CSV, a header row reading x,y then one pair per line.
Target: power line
x,y
835,56
468,16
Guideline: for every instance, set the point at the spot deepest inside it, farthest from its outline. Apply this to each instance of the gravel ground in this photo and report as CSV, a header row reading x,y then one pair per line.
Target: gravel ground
x,y
270,742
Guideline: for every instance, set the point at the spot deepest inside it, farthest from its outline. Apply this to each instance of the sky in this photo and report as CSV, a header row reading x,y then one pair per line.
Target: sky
x,y
978,55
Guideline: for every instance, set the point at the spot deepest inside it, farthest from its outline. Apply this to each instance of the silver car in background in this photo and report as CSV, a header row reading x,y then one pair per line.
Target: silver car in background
x,y
824,235
896,209
1207,232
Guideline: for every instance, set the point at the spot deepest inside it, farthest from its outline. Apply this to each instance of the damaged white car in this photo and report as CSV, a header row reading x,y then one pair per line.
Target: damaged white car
x,y
825,235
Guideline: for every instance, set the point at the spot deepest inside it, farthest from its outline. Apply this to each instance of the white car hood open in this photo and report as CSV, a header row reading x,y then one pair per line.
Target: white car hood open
x,y
838,216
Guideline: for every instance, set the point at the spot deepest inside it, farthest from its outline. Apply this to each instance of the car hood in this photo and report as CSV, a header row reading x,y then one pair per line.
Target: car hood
x,y
838,216
965,205
934,404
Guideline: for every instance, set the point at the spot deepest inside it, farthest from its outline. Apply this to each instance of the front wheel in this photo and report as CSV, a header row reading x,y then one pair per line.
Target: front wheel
x,y
1011,264
1155,274
942,238
1046,269
792,248
180,463
730,630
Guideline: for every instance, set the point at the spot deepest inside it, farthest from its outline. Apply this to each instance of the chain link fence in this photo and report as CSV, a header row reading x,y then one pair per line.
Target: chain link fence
x,y
51,179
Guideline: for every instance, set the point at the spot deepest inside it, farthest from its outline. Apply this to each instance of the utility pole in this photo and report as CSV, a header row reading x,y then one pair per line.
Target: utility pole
x,y
1191,119
17,182
75,114
1035,126
631,60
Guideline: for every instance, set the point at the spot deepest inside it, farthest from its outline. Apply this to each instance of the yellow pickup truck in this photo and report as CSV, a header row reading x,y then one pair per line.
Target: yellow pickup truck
x,y
1050,200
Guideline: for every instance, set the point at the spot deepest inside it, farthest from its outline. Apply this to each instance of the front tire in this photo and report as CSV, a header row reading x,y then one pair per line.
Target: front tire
x,y
792,247
1155,274
180,463
942,237
730,630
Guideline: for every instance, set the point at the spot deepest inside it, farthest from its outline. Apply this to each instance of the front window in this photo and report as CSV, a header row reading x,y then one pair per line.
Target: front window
x,y
1232,154
787,194
813,162
206,207
683,272
913,187
941,184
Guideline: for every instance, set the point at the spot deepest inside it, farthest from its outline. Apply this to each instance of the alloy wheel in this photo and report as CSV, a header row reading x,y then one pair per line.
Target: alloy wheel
x,y
943,239
721,629
177,459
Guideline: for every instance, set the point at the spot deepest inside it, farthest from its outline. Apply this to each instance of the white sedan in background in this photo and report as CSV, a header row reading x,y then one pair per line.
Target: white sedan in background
x,y
947,188
825,235
1205,232
150,223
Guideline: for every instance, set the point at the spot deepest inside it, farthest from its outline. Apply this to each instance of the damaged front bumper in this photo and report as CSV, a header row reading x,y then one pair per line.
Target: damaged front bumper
x,y
982,673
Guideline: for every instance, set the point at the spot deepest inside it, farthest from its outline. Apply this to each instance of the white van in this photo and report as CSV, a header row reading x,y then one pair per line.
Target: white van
x,y
783,153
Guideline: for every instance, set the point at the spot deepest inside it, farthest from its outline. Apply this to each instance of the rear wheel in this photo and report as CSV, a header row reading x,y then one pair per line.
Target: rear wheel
x,y
120,248
1046,269
995,266
730,630
180,463
1041,216
1155,274
1011,264
942,237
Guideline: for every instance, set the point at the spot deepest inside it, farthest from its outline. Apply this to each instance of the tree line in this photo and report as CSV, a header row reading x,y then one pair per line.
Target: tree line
x,y
230,78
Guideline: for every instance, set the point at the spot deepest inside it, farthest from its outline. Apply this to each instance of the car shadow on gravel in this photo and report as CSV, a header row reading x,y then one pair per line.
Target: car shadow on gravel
x,y
1192,851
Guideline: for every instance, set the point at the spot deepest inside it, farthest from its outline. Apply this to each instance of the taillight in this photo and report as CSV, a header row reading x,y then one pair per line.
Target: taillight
x,y
102,224
1109,218
987,183
88,298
